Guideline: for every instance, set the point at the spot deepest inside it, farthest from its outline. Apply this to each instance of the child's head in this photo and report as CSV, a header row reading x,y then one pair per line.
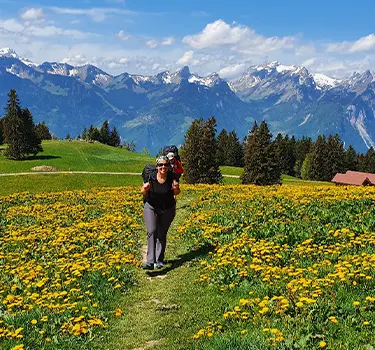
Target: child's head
x,y
170,156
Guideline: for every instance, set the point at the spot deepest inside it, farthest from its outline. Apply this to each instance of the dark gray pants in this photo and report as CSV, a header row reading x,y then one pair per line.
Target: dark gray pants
x,y
157,225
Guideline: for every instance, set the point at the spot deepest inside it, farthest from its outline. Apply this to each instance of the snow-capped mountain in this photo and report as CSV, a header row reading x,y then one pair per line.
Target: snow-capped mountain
x,y
290,98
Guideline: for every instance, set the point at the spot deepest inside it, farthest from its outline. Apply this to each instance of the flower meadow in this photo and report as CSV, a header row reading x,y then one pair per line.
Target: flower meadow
x,y
64,259
300,261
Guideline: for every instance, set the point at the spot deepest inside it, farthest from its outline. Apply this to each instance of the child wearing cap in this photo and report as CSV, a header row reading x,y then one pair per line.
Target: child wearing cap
x,y
176,165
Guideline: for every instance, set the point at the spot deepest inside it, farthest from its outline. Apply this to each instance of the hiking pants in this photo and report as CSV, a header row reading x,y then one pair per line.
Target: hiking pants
x,y
157,225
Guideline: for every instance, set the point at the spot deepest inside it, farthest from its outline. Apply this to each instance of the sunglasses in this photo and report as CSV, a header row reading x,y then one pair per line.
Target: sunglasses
x,y
162,164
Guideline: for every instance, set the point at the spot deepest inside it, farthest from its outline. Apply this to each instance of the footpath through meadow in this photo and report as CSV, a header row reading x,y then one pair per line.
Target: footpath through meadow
x,y
167,307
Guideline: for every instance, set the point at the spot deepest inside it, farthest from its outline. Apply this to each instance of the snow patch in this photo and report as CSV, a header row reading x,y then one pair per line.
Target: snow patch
x,y
307,118
323,81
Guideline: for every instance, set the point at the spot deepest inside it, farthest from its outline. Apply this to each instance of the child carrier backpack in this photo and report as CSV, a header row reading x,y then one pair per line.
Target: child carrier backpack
x,y
173,149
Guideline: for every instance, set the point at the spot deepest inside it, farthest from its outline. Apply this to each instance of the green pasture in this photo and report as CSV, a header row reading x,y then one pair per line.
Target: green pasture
x,y
93,157
78,156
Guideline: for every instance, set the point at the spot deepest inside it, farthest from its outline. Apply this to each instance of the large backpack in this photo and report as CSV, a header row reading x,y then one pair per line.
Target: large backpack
x,y
171,148
149,172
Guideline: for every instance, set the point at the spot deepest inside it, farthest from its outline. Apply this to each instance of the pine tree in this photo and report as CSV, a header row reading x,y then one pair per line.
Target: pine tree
x,y
368,164
261,163
42,131
335,162
208,165
234,153
105,133
318,169
114,138
190,152
33,144
93,134
351,159
13,127
19,130
222,146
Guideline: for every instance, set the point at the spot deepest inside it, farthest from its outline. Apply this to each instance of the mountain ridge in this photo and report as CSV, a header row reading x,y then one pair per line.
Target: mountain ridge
x,y
290,98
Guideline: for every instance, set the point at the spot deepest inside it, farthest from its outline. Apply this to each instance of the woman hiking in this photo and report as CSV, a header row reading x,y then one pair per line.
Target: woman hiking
x,y
159,210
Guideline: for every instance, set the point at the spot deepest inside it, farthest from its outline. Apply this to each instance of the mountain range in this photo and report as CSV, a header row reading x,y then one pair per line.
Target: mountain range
x,y
157,110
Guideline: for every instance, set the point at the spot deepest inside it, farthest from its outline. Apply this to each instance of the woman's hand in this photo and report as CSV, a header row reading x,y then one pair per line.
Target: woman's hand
x,y
145,188
176,187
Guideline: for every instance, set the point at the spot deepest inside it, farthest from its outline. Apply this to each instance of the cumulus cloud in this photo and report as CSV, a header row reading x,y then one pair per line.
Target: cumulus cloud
x,y
186,59
152,44
366,43
168,41
122,36
216,34
32,14
232,71
240,38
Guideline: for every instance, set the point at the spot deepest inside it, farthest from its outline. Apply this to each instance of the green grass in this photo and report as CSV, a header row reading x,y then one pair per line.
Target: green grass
x,y
79,155
95,157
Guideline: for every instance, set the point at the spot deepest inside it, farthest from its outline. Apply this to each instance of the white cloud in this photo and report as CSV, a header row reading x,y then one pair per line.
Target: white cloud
x,y
365,43
122,36
168,41
32,14
97,14
233,71
152,44
77,60
240,38
186,58
216,34
29,29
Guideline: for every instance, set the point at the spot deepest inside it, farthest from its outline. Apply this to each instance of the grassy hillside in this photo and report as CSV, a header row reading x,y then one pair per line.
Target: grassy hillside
x,y
76,155
94,157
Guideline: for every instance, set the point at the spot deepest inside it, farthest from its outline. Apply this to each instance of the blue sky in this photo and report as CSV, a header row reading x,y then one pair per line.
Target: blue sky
x,y
331,37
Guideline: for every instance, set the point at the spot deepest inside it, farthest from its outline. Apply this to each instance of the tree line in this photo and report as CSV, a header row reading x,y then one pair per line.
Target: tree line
x,y
263,158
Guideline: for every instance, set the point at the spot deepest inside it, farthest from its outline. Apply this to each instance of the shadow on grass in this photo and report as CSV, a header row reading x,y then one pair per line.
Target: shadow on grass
x,y
40,157
181,260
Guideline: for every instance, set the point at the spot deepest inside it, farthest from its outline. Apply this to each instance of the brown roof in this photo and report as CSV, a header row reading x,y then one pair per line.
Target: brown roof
x,y
354,178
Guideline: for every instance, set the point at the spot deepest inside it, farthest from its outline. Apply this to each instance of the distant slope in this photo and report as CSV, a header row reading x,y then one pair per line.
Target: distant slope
x,y
76,155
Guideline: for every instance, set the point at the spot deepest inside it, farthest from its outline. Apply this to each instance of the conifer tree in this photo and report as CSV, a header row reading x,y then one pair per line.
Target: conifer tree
x,y
19,130
368,163
261,164
33,144
335,156
222,146
209,172
318,168
234,153
42,131
105,133
114,138
93,134
191,152
351,159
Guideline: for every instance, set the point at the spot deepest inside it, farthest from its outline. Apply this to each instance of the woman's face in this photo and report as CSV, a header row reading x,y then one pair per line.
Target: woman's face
x,y
162,167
